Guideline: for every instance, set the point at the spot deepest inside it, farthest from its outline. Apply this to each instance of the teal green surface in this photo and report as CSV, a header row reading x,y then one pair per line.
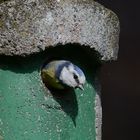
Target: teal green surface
x,y
29,112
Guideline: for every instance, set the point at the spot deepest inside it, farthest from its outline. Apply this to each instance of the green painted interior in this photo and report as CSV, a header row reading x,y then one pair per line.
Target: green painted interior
x,y
29,112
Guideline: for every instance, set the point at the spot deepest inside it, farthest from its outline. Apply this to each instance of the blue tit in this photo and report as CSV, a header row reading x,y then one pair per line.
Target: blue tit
x,y
60,74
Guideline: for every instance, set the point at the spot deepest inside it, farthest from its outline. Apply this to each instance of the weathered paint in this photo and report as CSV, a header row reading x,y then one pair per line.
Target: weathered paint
x,y
29,112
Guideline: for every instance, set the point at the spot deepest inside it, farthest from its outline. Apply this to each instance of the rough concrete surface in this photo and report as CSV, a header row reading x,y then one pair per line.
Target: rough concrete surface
x,y
30,26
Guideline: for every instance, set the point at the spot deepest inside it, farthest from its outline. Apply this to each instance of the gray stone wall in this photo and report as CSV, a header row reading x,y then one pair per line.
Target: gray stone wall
x,y
30,26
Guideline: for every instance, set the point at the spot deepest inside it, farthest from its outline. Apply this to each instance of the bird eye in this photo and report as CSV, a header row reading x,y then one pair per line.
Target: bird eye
x,y
75,76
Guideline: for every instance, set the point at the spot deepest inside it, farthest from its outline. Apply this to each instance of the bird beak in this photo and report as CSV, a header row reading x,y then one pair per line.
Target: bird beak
x,y
81,87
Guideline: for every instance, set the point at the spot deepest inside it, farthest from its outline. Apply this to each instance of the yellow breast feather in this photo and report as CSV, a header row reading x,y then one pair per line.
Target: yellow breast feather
x,y
50,79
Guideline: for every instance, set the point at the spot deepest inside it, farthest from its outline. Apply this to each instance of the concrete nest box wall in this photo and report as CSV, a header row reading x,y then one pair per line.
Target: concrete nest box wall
x,y
31,26
33,32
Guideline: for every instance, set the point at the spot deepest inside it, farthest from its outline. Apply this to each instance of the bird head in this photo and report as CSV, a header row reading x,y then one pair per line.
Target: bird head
x,y
72,76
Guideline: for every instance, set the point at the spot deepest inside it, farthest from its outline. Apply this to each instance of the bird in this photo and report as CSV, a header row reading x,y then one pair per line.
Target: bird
x,y
62,74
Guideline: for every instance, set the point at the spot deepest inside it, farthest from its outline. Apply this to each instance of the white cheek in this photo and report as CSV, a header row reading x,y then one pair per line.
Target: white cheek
x,y
67,78
69,81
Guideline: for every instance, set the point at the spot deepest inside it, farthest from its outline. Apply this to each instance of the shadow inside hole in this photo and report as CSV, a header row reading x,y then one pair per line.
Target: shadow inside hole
x,y
80,55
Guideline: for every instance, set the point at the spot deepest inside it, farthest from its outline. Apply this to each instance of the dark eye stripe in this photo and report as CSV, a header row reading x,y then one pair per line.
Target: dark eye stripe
x,y
76,78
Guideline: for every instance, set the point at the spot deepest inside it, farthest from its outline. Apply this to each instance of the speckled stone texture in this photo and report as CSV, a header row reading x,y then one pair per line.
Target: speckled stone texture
x,y
30,26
